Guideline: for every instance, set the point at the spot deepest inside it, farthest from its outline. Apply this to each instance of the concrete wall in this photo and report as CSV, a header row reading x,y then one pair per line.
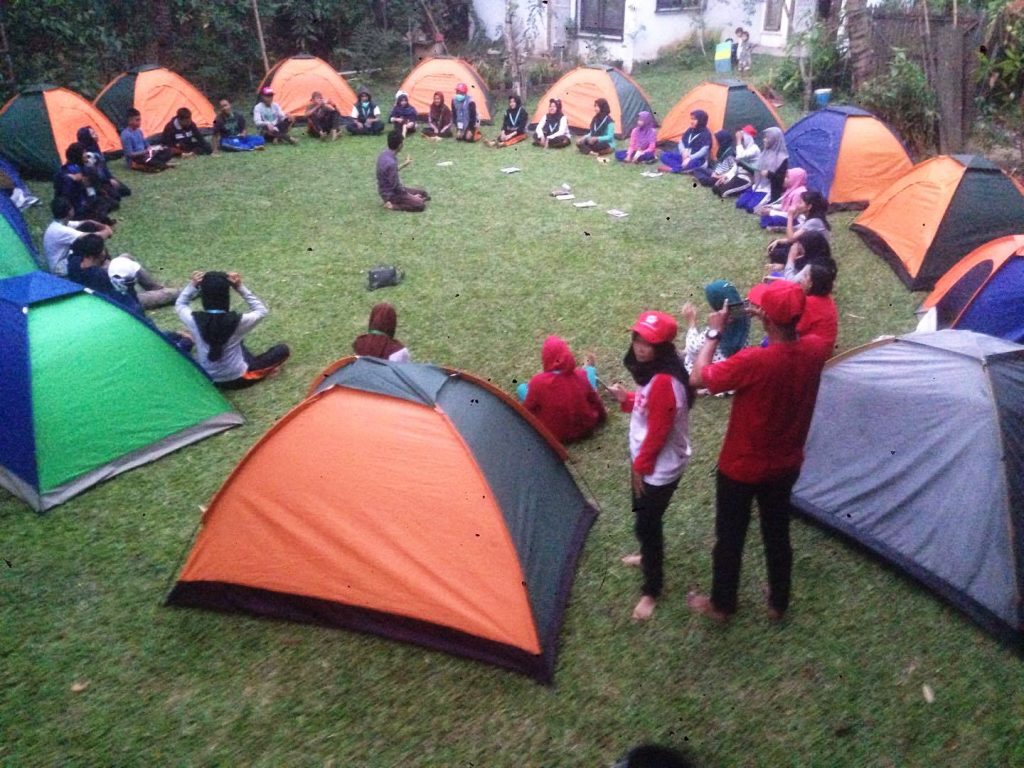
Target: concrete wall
x,y
645,31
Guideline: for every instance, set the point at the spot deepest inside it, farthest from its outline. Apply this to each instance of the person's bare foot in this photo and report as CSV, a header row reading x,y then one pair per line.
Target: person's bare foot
x,y
633,561
702,604
644,610
389,206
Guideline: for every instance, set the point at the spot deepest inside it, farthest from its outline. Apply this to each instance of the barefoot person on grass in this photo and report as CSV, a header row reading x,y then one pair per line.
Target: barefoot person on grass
x,y
659,441
389,186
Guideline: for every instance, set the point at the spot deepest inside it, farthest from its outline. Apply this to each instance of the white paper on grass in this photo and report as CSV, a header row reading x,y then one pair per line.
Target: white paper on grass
x,y
586,204
652,174
566,196
510,169
617,213
444,163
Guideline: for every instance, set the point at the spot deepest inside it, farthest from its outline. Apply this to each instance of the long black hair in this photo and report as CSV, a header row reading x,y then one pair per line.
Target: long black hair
x,y
817,206
666,360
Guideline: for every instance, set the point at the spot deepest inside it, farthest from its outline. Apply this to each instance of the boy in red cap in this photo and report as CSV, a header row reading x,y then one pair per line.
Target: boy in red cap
x,y
659,441
464,114
775,388
270,120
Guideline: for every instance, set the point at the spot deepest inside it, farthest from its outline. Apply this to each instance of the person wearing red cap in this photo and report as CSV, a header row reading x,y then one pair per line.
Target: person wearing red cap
x,y
464,115
562,396
659,441
270,120
775,388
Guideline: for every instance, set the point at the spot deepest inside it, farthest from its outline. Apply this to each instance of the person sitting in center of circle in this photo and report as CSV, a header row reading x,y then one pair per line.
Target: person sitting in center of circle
x,y
389,186
600,139
553,131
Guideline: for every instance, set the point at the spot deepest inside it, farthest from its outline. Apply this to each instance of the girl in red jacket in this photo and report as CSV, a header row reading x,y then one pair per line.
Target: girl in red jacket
x,y
659,441
563,396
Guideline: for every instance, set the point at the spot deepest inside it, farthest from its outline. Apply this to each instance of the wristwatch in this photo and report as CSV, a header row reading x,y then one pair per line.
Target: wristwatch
x,y
713,334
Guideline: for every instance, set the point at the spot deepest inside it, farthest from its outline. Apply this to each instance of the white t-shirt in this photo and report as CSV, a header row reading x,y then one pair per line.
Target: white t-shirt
x,y
57,241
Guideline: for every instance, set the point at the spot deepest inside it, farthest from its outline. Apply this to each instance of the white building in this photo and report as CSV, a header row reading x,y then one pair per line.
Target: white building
x,y
635,30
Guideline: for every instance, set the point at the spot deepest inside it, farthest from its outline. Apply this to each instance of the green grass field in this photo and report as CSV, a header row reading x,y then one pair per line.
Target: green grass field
x,y
493,266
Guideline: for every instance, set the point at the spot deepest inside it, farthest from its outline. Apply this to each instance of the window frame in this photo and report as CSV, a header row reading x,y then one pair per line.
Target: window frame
x,y
601,31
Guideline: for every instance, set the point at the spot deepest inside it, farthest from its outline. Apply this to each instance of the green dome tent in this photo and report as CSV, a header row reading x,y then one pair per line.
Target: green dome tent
x,y
17,254
89,391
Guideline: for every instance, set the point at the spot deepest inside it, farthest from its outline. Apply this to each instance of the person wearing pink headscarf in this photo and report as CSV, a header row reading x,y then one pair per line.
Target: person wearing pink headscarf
x,y
775,214
643,140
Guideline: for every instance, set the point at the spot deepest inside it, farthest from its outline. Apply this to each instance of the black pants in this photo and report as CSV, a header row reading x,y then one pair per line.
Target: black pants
x,y
259,366
649,510
732,516
322,121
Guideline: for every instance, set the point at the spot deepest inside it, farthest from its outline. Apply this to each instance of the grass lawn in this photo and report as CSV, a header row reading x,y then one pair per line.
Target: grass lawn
x,y
493,266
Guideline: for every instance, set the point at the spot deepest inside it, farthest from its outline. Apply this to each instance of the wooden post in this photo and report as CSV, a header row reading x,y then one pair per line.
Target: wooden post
x,y
259,36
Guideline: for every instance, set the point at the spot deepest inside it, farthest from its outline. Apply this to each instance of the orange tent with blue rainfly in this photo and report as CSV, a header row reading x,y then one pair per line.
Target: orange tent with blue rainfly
x,y
936,214
405,500
850,155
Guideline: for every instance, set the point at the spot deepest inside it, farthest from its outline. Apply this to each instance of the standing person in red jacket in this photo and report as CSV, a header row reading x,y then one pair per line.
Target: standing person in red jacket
x,y
563,396
775,388
659,441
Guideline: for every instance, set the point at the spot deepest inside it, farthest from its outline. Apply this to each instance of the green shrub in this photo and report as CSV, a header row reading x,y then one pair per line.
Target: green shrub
x,y
903,98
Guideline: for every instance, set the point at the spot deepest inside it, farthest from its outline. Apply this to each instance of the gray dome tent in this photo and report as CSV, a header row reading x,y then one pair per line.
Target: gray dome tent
x,y
916,452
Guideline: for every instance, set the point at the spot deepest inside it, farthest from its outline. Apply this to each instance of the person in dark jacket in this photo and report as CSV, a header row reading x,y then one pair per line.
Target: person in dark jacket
x,y
94,158
81,186
365,116
439,119
322,117
513,127
183,136
403,114
229,131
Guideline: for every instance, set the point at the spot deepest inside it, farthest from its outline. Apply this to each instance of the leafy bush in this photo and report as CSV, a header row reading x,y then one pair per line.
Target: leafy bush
x,y
903,98
827,65
687,54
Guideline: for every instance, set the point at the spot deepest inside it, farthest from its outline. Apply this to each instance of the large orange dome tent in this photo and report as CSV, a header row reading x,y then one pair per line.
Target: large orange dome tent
x,y
294,79
39,123
443,73
936,214
580,87
158,93
850,155
730,105
406,500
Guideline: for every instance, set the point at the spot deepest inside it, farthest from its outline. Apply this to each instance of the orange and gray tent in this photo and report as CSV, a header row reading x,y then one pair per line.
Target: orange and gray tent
x,y
581,87
294,79
730,105
443,73
158,93
936,214
983,291
850,155
39,123
406,500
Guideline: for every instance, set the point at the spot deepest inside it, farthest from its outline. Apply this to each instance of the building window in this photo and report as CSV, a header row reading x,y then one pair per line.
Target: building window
x,y
602,17
676,5
773,16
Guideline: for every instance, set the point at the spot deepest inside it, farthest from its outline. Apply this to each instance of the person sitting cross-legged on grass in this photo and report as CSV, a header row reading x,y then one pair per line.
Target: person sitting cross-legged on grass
x,y
322,117
600,139
365,116
659,441
694,146
81,185
379,339
61,233
563,396
513,126
229,131
183,136
467,122
270,120
95,159
138,152
553,131
403,114
218,332
439,119
643,140
389,186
